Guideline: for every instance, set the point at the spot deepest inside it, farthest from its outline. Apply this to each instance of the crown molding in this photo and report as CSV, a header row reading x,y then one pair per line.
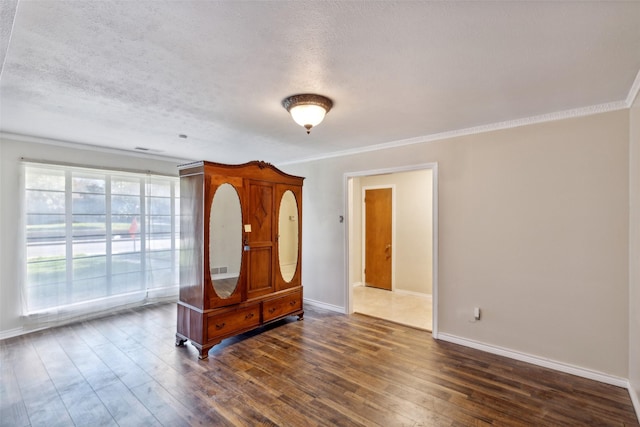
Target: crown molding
x,y
633,92
7,35
76,145
509,124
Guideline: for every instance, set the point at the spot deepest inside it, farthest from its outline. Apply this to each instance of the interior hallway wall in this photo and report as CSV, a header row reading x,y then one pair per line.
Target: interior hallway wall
x,y
533,228
413,227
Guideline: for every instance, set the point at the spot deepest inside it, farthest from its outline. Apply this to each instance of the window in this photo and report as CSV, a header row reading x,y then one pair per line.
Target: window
x,y
95,235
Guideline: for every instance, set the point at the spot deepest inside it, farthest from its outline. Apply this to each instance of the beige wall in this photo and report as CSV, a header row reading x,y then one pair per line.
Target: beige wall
x,y
634,254
413,228
533,228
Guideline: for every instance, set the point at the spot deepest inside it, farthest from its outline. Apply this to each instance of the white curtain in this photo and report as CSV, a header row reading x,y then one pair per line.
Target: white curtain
x,y
95,240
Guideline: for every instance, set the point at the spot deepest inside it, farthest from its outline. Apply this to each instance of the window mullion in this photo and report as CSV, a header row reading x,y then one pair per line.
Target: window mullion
x,y
68,195
173,228
108,232
143,236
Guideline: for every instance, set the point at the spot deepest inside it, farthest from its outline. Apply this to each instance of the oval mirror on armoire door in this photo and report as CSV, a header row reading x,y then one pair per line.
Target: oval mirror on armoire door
x,y
225,240
288,236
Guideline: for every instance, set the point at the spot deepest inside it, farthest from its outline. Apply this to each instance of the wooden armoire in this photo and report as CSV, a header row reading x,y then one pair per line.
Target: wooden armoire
x,y
240,250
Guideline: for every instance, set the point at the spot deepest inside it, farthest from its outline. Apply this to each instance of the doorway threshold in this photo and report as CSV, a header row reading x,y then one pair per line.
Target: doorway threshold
x,y
409,310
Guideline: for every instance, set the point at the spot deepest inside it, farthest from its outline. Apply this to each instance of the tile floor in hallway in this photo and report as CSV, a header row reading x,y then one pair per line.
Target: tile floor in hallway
x,y
407,309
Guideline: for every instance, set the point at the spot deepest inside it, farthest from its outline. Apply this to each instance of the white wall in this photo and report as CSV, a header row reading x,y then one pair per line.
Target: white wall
x,y
634,255
533,228
412,252
11,238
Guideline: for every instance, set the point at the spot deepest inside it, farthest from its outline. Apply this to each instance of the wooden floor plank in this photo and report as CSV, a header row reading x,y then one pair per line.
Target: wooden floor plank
x,y
124,406
167,409
329,369
85,407
96,373
13,412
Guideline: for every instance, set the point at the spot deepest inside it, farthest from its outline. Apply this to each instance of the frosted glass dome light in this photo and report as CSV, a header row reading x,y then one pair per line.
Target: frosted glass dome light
x,y
307,110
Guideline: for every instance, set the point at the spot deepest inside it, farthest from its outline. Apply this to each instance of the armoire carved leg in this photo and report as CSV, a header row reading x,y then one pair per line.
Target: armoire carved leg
x,y
180,341
300,316
203,352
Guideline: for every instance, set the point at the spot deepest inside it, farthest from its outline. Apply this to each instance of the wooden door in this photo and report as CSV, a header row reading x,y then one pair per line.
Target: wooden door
x,y
378,250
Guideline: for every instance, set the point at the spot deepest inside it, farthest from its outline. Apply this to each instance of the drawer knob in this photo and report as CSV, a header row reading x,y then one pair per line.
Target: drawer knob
x,y
248,316
271,310
220,325
292,303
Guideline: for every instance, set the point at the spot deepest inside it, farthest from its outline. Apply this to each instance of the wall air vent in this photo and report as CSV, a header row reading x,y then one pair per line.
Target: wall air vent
x,y
147,150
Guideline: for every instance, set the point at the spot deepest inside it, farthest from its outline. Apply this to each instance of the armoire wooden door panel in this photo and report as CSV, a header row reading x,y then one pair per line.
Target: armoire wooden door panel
x,y
192,240
260,212
296,280
214,182
260,272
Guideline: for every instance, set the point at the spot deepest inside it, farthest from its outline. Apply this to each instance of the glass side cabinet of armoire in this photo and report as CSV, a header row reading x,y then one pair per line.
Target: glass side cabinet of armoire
x,y
240,257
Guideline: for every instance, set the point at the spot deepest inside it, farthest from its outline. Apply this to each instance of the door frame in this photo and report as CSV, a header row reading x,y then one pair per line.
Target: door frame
x,y
348,205
393,229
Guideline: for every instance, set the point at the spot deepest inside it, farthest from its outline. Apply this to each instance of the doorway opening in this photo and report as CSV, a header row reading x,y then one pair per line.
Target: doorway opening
x,y
408,255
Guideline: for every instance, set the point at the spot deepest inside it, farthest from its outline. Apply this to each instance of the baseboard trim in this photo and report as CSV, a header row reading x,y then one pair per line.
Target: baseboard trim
x,y
10,333
539,361
324,305
49,323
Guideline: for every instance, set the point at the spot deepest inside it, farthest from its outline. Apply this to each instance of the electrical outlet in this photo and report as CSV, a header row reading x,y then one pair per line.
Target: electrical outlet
x,y
476,313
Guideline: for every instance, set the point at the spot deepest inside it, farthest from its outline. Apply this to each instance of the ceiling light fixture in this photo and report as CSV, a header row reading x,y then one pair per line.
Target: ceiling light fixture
x,y
307,109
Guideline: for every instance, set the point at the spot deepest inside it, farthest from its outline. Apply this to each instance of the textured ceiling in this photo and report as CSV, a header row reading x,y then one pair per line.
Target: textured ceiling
x,y
126,74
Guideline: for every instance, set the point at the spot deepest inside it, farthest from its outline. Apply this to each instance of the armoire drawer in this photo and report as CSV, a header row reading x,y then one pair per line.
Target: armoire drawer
x,y
230,322
278,307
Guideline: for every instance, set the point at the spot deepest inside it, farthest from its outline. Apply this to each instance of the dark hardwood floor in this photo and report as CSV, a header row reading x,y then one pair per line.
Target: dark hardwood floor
x,y
328,369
